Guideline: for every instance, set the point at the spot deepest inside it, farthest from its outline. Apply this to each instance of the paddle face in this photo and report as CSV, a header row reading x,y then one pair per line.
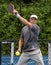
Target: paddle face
x,y
10,8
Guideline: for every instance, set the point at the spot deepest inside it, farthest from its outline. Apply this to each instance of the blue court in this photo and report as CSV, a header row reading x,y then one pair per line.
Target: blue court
x,y
6,60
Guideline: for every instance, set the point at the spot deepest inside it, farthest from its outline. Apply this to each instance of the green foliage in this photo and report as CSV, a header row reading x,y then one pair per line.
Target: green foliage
x,y
10,26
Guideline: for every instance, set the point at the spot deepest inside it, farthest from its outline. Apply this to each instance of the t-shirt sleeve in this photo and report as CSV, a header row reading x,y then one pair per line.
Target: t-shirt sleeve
x,y
22,36
35,28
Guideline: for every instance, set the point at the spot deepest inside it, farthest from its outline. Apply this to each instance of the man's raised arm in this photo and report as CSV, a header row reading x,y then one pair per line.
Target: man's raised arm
x,y
22,19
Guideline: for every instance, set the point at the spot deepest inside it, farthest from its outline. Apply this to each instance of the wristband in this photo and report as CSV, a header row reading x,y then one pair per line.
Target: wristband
x,y
17,15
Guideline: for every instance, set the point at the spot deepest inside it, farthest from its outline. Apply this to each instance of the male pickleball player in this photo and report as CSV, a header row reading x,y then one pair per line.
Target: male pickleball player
x,y
28,41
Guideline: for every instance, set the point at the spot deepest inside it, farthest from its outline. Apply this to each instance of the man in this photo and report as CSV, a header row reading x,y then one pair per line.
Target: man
x,y
28,43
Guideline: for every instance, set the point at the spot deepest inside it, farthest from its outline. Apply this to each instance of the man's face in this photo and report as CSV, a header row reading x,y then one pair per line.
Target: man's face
x,y
32,20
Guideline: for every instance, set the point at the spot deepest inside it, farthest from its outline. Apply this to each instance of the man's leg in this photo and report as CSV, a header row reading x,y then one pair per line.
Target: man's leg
x,y
23,59
38,58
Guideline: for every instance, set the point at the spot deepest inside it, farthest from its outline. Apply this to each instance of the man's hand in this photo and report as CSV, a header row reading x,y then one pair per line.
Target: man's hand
x,y
15,11
19,50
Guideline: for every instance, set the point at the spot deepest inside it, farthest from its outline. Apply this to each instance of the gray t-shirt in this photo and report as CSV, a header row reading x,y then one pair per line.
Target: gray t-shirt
x,y
30,37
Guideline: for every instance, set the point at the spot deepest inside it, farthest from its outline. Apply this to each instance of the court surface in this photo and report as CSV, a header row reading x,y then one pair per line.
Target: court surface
x,y
6,60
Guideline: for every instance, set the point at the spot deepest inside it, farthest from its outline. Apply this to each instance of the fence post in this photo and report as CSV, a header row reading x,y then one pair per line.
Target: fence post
x,y
12,53
49,53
